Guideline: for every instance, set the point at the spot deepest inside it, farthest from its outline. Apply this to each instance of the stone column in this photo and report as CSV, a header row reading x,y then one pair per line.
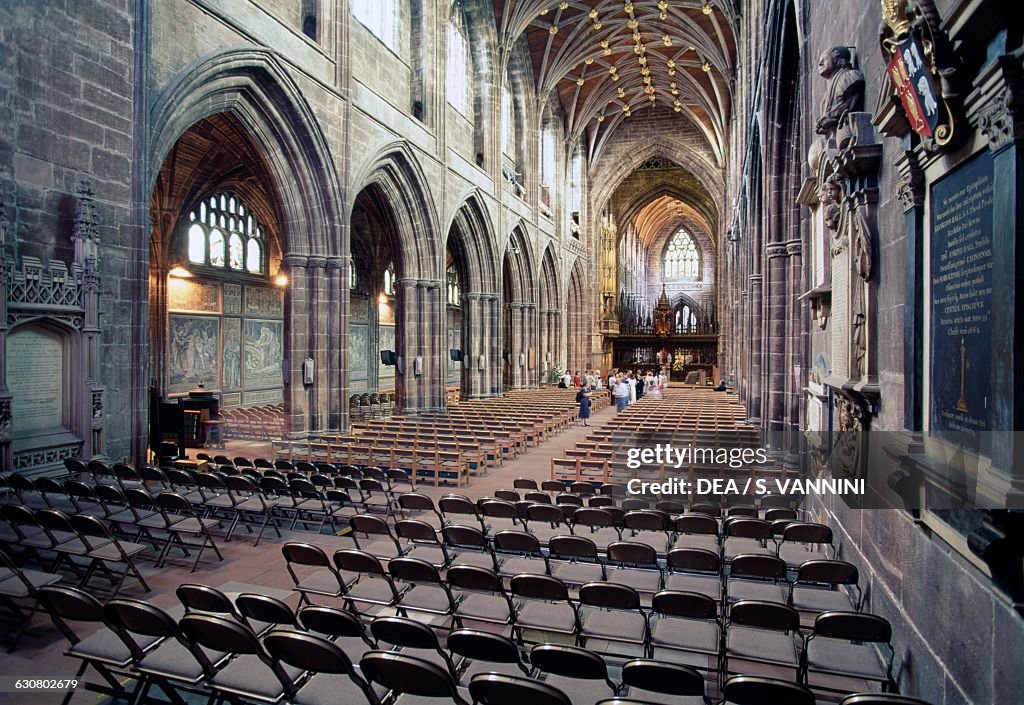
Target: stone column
x,y
434,345
407,333
798,342
774,342
515,345
530,345
318,312
492,379
337,342
755,317
296,346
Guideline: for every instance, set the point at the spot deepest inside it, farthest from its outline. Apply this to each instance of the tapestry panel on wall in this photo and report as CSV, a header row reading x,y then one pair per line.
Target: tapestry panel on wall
x,y
263,352
192,352
358,342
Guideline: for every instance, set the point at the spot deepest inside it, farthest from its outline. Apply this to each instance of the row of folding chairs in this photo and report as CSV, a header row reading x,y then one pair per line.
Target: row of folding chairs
x,y
81,543
258,649
814,586
537,605
793,541
163,520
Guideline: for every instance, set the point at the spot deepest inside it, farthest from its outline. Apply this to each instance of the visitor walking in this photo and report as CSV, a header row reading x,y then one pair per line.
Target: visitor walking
x,y
583,397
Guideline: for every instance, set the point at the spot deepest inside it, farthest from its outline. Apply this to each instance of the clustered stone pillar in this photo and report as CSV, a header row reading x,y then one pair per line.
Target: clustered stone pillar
x,y
297,339
774,372
421,334
336,354
755,317
529,344
515,312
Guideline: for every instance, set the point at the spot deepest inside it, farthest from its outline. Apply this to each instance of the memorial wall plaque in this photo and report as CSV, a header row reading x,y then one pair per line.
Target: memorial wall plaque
x,y
961,302
35,378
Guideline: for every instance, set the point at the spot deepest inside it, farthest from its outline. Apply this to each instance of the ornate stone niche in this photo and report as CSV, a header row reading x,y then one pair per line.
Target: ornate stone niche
x,y
848,172
51,406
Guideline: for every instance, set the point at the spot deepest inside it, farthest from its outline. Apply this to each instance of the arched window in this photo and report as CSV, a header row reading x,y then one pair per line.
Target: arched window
x,y
453,288
682,259
389,279
458,70
224,234
380,17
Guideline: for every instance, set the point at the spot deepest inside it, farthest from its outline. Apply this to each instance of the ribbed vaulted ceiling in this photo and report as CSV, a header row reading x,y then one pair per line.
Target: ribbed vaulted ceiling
x,y
609,59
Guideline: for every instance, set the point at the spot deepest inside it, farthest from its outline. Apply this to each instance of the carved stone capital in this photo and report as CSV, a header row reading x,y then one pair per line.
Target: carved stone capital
x,y
293,260
1002,121
335,262
775,250
316,262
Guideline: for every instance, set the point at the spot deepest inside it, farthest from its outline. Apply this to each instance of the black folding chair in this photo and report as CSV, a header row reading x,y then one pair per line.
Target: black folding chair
x,y
341,627
333,679
683,685
758,690
110,651
483,596
486,653
574,670
404,674
318,575
105,549
611,612
498,689
252,673
176,663
19,585
181,518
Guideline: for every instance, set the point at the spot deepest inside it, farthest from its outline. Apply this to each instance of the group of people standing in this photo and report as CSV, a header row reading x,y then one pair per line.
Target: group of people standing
x,y
629,386
625,387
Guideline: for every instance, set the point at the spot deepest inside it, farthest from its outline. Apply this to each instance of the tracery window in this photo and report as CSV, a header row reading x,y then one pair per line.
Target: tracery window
x,y
389,279
682,259
380,17
225,234
458,70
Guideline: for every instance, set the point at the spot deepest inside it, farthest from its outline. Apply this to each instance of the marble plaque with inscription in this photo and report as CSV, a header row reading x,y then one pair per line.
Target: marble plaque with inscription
x,y
961,302
35,377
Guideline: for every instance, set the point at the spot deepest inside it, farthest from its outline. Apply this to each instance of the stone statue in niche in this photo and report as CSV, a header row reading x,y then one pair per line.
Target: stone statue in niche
x,y
845,88
832,197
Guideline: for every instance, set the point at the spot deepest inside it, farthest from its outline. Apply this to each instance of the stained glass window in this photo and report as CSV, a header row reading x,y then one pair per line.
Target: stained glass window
x,y
682,259
223,233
